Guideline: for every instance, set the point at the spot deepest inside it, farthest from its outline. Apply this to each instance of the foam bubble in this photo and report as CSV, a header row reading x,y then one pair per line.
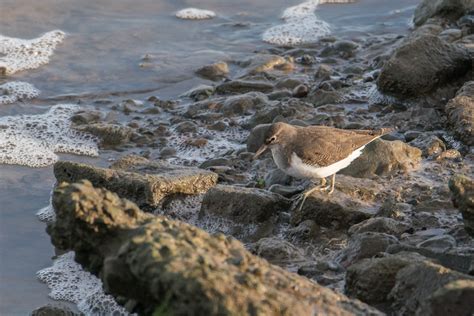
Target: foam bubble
x,y
69,282
218,143
301,25
13,91
33,140
21,54
195,14
47,214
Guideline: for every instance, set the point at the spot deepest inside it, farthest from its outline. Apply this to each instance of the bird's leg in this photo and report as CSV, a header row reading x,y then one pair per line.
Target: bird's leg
x,y
308,192
333,182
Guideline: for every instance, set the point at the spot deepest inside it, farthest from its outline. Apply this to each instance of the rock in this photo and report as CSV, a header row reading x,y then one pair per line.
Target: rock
x,y
288,83
437,63
462,190
214,71
285,190
266,62
144,182
256,137
453,9
276,251
87,117
322,97
337,210
276,176
268,115
200,92
365,245
54,310
241,104
451,35
109,134
152,259
438,243
398,211
344,49
416,283
300,91
454,298
460,111
380,225
242,86
371,280
430,145
324,72
382,158
305,231
243,205
186,127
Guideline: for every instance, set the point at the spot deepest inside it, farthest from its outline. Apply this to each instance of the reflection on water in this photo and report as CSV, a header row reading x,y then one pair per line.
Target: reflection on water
x,y
103,52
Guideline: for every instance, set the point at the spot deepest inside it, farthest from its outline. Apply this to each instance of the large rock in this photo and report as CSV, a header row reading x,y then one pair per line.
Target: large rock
x,y
455,298
460,111
416,283
462,189
243,205
214,71
421,65
371,280
338,210
365,245
140,180
151,262
452,9
243,86
382,158
256,137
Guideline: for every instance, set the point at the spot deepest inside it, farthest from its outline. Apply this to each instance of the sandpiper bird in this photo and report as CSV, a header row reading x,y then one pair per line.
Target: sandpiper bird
x,y
315,152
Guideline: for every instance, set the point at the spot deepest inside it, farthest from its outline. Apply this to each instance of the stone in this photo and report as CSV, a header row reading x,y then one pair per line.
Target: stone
x,y
242,104
186,127
416,283
454,298
338,210
214,71
322,97
453,9
243,86
437,63
305,231
276,176
392,209
276,250
148,259
256,137
109,134
460,111
365,245
87,117
438,243
324,72
269,114
54,310
285,190
200,92
300,91
380,225
383,158
462,191
344,49
265,63
371,280
431,145
142,181
243,205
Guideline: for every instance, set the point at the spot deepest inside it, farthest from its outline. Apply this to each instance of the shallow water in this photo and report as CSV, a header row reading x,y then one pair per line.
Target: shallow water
x,y
102,56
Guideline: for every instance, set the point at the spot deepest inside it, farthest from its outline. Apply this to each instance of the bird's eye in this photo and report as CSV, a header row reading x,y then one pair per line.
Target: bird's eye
x,y
272,139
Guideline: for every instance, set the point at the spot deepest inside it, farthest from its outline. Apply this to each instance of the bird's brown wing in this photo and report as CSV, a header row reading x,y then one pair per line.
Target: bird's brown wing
x,y
323,146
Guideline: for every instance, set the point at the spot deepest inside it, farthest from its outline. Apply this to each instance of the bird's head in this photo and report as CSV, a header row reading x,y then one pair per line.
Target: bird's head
x,y
273,137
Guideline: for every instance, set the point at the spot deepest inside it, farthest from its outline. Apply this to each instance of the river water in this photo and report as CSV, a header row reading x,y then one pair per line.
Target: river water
x,y
118,49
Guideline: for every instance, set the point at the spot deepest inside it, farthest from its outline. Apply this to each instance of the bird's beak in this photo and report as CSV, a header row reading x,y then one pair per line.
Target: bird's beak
x,y
260,151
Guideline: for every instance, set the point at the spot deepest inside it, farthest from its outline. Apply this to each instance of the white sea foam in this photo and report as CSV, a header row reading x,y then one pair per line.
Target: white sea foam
x,y
301,25
13,91
69,282
195,14
218,143
47,214
19,54
33,140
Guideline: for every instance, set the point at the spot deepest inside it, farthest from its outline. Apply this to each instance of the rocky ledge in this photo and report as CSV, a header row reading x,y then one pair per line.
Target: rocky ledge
x,y
153,264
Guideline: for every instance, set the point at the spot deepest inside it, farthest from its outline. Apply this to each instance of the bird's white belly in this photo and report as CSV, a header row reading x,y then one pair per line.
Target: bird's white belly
x,y
299,169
